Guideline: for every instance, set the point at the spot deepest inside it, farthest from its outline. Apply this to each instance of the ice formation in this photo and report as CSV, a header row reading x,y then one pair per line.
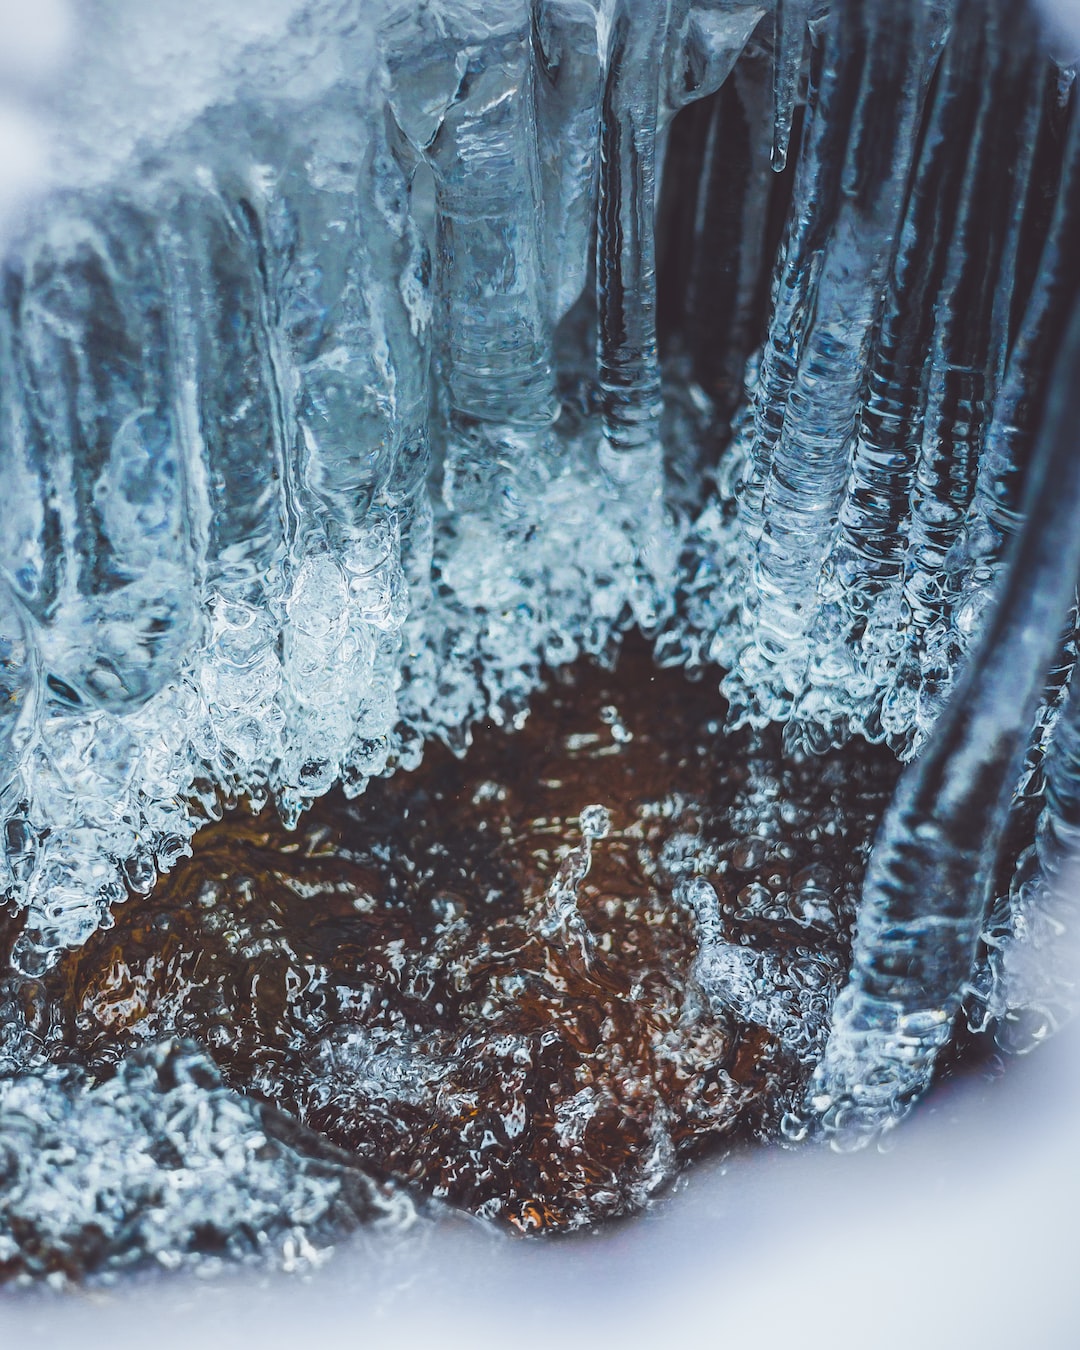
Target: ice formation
x,y
471,981
333,412
92,1186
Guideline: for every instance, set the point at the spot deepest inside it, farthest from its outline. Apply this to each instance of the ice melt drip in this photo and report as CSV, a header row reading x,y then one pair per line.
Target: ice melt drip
x,y
407,363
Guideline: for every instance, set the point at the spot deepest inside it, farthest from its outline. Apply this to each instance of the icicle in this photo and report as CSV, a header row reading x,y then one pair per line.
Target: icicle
x,y
19,676
1041,948
352,327
712,269
925,891
96,536
834,84
18,682
568,90
1048,154
102,558
237,406
855,641
791,21
350,336
629,371
719,597
495,317
715,270
237,423
811,462
401,256
969,335
994,518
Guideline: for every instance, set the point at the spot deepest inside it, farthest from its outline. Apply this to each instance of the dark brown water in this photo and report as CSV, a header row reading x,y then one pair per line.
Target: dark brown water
x,y
408,976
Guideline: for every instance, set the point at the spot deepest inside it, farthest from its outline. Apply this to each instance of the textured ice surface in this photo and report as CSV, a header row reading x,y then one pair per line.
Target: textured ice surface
x,y
485,988
333,410
221,374
163,1166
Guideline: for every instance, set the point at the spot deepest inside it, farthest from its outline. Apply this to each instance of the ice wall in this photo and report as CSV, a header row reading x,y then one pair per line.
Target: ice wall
x,y
333,409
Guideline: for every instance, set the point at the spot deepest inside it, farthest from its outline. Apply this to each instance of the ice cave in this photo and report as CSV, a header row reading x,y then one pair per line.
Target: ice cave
x,y
539,546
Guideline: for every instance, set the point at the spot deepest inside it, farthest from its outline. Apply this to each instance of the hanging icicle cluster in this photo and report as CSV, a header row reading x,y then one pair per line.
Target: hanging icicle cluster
x,y
401,373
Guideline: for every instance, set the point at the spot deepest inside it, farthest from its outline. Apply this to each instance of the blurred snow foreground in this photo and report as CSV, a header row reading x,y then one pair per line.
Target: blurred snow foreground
x,y
339,398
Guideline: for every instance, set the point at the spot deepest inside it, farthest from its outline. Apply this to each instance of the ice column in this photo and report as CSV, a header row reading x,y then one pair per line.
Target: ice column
x,y
94,516
872,85
855,636
625,242
966,349
995,512
1040,950
344,262
235,407
463,92
926,888
96,525
817,181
